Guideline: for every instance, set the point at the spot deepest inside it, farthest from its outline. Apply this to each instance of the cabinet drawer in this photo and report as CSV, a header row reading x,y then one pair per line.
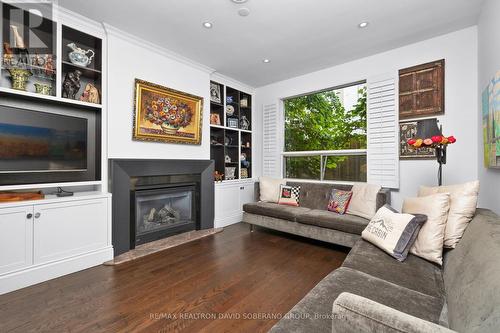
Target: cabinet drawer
x,y
67,229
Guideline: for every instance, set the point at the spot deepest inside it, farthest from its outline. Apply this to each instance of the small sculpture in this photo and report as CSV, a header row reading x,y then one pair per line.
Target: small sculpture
x,y
44,89
79,56
218,176
8,55
244,123
19,42
90,94
71,84
19,78
49,65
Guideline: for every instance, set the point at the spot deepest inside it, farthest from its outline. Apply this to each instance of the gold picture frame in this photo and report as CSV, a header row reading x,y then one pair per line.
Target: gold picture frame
x,y
166,115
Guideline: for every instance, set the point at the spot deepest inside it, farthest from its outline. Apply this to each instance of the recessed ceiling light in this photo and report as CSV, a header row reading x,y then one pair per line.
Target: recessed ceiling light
x,y
239,1
266,61
363,24
243,11
207,25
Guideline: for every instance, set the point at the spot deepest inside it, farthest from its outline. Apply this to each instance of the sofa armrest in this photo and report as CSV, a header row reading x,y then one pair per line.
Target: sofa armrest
x,y
383,197
356,314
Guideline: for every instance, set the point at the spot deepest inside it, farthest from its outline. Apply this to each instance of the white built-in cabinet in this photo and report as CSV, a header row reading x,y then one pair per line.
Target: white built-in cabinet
x,y
40,240
229,200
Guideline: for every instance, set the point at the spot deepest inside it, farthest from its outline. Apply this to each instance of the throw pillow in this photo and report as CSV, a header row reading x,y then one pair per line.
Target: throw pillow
x,y
429,242
463,202
270,189
364,200
289,195
339,201
393,232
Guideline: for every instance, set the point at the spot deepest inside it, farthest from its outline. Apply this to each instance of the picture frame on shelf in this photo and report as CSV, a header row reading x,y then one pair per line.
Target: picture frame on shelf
x,y
232,122
215,93
166,115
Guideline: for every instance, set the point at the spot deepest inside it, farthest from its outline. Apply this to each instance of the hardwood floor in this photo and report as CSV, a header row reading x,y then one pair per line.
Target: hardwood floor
x,y
215,284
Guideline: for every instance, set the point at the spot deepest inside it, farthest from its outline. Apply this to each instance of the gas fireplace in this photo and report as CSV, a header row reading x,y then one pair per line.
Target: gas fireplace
x,y
162,212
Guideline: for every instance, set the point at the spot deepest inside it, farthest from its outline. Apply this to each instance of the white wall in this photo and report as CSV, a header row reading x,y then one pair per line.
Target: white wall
x,y
489,64
460,51
129,59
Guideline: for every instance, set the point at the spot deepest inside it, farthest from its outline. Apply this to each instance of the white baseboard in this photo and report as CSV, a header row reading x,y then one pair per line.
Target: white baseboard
x,y
45,272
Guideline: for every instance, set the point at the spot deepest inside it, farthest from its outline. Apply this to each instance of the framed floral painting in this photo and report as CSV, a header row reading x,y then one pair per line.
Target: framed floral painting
x,y
166,115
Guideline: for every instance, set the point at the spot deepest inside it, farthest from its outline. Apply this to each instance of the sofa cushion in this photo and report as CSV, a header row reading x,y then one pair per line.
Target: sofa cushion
x,y
326,219
414,273
274,210
316,195
313,312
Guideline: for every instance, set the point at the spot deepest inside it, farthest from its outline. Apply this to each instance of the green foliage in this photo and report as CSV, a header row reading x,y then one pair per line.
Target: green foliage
x,y
320,122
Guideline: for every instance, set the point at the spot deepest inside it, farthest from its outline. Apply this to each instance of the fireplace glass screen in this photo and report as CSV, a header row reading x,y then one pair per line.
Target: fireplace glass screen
x,y
158,210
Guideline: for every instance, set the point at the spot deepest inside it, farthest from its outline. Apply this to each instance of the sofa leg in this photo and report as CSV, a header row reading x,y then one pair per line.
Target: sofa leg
x,y
251,227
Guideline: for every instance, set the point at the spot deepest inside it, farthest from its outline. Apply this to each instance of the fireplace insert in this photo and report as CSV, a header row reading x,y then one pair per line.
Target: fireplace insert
x,y
161,212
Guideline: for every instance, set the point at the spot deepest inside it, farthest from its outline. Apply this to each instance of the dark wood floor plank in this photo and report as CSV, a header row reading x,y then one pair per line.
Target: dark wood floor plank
x,y
208,285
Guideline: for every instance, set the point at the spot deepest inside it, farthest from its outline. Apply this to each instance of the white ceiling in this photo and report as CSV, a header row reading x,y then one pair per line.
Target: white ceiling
x,y
299,36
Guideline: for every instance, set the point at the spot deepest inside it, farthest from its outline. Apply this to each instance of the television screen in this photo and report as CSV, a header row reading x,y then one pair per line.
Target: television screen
x,y
33,141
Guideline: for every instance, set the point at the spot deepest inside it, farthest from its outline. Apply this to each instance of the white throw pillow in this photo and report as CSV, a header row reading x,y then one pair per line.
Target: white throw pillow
x,y
463,202
393,232
364,200
270,189
429,242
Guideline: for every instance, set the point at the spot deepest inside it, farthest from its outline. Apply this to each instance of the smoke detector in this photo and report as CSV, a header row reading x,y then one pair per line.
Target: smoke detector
x,y
243,11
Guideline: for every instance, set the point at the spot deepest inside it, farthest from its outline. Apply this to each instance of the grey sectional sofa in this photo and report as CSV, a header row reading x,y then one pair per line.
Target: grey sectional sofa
x,y
373,292
311,219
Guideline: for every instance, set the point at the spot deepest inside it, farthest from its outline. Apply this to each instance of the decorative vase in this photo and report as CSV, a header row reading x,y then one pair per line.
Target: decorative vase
x,y
17,38
168,129
44,89
79,56
19,78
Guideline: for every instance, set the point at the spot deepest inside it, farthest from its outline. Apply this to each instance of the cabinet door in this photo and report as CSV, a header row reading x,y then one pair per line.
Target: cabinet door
x,y
66,229
227,203
16,238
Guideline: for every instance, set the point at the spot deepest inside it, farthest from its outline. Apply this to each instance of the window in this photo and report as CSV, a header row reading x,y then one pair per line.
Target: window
x,y
325,135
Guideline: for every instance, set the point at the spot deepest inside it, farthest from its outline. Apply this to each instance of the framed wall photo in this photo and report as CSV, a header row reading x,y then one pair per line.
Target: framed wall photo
x,y
166,115
232,122
408,130
215,95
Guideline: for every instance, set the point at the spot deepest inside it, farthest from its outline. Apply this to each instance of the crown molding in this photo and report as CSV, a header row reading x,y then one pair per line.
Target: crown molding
x,y
113,31
229,81
68,17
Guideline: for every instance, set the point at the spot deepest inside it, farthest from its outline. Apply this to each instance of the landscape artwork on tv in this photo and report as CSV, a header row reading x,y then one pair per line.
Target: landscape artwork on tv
x,y
29,148
491,123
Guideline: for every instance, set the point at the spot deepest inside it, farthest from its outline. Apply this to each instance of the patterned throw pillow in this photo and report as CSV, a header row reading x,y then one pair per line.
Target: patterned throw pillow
x,y
339,201
289,195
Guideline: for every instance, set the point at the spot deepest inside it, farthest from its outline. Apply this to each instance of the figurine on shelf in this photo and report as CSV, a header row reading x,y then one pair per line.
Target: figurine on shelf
x,y
8,55
227,159
243,160
37,64
71,84
49,65
90,94
19,42
218,176
244,123
79,56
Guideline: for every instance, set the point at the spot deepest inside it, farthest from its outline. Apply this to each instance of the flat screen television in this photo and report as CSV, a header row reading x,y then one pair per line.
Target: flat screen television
x,y
48,147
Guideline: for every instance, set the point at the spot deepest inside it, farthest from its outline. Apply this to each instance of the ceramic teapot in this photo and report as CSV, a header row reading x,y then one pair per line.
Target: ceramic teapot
x,y
79,56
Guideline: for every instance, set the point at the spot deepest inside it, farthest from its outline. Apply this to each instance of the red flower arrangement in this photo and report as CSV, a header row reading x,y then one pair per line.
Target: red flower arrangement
x,y
433,142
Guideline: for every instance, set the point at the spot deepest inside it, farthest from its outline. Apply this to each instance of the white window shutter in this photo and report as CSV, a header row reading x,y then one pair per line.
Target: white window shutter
x,y
270,141
383,131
